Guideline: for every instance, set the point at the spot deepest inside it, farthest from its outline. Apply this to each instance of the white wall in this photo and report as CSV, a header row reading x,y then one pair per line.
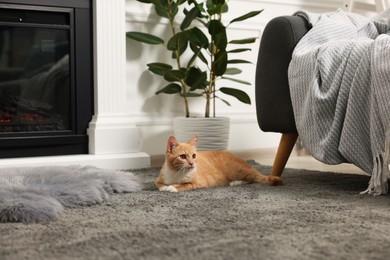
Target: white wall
x,y
153,113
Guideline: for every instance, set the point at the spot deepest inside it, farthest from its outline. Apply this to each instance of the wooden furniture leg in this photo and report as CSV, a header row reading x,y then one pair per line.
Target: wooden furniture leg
x,y
286,144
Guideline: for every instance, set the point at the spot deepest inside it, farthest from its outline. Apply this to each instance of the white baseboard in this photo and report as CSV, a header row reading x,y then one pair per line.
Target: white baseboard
x,y
106,161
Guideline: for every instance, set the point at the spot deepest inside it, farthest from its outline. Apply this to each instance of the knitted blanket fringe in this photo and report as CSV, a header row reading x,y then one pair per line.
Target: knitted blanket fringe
x,y
339,79
381,173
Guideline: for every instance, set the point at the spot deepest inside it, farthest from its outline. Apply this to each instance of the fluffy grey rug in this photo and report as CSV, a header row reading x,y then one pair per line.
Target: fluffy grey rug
x,y
315,215
32,194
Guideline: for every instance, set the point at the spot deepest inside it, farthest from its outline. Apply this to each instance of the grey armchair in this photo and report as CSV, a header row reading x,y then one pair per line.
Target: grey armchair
x,y
273,101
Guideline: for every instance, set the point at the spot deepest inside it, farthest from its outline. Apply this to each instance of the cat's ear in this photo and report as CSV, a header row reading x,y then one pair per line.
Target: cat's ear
x,y
172,144
194,140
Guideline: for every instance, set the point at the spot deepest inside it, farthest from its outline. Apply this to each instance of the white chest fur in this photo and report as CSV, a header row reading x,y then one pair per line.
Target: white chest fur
x,y
176,177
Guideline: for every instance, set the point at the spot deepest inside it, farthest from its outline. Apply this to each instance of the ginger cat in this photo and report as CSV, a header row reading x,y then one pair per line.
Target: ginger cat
x,y
187,169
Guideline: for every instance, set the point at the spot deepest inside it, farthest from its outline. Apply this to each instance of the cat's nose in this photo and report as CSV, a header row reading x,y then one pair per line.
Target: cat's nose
x,y
191,164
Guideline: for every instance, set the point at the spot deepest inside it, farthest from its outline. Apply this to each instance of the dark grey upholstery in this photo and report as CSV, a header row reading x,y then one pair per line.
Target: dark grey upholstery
x,y
273,102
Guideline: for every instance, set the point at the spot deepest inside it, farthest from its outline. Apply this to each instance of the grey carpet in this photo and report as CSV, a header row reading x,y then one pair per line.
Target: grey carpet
x,y
315,215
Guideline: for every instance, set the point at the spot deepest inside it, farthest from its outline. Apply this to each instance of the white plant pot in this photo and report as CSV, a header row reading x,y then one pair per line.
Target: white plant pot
x,y
213,132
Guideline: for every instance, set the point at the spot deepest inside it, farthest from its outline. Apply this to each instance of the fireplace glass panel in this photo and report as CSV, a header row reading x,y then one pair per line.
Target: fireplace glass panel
x,y
35,85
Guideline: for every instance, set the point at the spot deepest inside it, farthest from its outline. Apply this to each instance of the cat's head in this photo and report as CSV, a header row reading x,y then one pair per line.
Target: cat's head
x,y
181,156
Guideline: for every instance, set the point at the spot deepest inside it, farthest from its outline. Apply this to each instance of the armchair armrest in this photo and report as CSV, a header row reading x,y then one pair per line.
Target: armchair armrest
x,y
273,101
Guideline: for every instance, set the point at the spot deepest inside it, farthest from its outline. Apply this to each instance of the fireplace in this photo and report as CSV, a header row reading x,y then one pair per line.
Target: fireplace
x,y
46,77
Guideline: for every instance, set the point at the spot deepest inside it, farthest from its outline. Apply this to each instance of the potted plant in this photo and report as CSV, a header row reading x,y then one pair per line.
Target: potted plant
x,y
199,46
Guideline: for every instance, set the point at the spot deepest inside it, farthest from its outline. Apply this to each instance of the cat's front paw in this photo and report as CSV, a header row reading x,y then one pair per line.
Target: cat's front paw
x,y
169,188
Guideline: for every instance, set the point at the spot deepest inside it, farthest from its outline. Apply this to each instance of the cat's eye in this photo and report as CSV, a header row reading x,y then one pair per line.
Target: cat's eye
x,y
194,156
183,156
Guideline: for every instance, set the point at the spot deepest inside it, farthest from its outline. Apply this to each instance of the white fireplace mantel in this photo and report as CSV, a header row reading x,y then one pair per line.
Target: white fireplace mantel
x,y
113,137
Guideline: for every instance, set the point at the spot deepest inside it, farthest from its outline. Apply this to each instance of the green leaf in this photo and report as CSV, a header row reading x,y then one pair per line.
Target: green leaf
x,y
174,9
218,2
224,101
220,63
146,1
159,68
211,8
237,80
238,61
197,53
225,8
161,10
216,7
182,49
239,94
165,9
233,71
239,50
220,39
197,37
215,27
178,41
196,78
144,37
172,88
199,6
190,16
244,41
174,75
246,16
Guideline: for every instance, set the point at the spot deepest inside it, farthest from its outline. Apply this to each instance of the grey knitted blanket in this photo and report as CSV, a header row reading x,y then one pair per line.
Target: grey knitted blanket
x,y
339,80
